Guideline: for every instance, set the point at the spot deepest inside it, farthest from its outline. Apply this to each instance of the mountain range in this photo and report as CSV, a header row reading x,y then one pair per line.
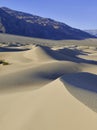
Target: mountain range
x,y
93,32
24,24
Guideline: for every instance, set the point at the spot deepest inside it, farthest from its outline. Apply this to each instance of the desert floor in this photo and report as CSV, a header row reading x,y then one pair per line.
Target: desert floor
x,y
48,88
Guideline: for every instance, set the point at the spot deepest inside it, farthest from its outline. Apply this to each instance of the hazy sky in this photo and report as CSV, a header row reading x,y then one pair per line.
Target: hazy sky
x,y
76,13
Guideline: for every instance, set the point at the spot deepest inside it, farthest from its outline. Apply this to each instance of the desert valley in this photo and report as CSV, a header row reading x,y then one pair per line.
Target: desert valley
x,y
48,84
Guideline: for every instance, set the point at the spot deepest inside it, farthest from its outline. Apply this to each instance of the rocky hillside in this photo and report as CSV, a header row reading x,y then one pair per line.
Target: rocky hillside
x,y
19,23
93,32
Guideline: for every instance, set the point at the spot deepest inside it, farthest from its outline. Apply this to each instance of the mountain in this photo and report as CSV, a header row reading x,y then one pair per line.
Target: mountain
x,y
20,23
93,32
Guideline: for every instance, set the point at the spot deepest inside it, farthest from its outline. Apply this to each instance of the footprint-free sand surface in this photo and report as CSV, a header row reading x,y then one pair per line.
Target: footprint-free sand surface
x,y
46,88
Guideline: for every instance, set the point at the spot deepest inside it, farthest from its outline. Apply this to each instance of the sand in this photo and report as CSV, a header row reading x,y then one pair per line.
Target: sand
x,y
46,88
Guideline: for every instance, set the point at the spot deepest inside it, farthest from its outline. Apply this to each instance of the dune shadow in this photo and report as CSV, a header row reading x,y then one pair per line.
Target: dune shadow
x,y
9,49
67,54
71,52
82,86
53,54
72,55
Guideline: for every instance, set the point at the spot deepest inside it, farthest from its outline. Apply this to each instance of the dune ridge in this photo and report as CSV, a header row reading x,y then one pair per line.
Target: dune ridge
x,y
48,88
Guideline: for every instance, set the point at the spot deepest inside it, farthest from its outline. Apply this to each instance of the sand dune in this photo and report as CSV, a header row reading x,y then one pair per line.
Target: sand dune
x,y
46,88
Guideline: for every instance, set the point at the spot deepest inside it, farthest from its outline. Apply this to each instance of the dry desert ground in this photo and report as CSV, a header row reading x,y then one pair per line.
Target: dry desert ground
x,y
48,87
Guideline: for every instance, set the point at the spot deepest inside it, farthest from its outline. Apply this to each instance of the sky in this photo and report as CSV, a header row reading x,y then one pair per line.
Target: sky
x,y
80,14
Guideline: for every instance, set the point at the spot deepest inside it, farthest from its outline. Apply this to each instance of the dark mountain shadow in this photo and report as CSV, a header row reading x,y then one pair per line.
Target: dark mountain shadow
x,y
76,82
24,24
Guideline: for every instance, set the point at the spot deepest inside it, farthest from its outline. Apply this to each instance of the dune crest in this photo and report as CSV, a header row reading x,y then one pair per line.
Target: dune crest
x,y
46,88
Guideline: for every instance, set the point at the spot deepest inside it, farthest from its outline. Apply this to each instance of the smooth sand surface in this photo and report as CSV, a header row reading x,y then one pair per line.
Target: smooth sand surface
x,y
46,88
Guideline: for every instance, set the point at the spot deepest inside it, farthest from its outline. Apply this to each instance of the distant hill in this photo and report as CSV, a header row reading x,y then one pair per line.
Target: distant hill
x,y
24,24
93,32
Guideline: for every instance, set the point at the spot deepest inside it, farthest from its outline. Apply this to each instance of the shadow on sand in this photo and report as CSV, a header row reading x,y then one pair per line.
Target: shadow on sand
x,y
82,86
72,55
11,49
67,55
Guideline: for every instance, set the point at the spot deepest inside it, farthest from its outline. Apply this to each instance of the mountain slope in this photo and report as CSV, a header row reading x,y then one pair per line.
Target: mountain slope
x,y
19,23
93,32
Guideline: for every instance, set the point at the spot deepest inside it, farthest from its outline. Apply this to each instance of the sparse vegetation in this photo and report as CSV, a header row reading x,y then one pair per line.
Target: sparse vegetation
x,y
9,40
4,62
